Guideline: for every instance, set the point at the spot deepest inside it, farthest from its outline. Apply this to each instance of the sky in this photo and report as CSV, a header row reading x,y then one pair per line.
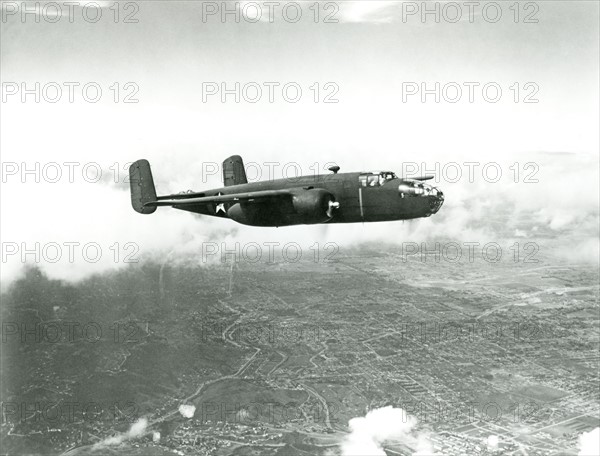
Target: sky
x,y
368,61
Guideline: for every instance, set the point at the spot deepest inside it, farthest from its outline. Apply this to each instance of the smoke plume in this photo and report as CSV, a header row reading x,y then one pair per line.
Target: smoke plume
x,y
187,411
589,443
137,429
368,434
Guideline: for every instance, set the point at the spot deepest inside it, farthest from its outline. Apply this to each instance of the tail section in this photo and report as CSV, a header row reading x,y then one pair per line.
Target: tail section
x,y
233,171
142,187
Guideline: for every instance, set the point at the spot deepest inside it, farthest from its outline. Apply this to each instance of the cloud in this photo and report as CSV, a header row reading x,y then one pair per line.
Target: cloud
x,y
187,411
368,434
137,429
561,209
589,443
349,11
492,442
562,204
51,11
371,11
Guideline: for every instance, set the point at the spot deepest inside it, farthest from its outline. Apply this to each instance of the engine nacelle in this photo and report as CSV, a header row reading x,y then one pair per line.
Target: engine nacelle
x,y
315,205
306,207
246,215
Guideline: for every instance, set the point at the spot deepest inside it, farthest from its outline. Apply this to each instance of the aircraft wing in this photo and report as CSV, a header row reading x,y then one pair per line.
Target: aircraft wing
x,y
181,200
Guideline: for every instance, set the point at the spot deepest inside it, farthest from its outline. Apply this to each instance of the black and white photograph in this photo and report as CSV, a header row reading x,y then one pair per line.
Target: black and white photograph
x,y
292,228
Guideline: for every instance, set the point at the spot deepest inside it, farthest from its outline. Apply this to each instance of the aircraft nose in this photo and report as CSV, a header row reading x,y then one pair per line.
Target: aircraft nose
x,y
436,200
431,198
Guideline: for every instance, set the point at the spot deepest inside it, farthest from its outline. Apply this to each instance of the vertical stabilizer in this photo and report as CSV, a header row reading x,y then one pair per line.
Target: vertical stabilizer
x,y
233,171
142,187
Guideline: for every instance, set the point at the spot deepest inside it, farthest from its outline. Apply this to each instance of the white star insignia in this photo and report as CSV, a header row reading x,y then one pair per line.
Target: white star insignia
x,y
220,207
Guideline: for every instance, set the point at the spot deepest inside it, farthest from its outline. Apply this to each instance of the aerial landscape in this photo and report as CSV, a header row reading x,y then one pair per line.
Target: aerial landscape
x,y
276,358
300,228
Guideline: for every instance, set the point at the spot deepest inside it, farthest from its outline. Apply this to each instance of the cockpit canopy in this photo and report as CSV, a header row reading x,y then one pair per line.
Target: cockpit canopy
x,y
376,178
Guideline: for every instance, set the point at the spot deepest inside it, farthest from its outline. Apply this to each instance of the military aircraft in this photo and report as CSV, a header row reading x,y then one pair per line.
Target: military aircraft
x,y
329,198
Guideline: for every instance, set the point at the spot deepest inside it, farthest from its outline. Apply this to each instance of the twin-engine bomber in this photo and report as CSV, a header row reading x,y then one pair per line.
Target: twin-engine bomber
x,y
329,198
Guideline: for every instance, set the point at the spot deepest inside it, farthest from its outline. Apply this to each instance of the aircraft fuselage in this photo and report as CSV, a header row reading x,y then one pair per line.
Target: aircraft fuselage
x,y
360,200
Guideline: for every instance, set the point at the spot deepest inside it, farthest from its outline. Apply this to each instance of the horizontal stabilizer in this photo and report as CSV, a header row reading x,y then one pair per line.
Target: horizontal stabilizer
x,y
234,197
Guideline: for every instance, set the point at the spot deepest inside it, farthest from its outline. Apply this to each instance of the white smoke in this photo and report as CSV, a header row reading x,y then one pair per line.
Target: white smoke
x,y
369,433
424,447
492,442
187,411
589,443
137,429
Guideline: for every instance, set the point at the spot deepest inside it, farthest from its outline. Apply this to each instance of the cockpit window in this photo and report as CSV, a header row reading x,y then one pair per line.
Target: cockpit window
x,y
375,179
386,176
